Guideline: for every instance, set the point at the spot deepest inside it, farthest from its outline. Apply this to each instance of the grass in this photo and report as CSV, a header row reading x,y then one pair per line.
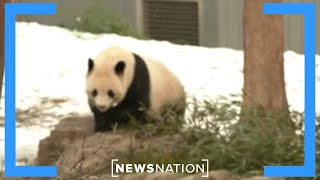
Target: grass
x,y
244,150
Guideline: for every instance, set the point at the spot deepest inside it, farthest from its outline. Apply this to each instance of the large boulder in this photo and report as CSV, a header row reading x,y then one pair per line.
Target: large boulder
x,y
66,131
94,153
77,150
81,154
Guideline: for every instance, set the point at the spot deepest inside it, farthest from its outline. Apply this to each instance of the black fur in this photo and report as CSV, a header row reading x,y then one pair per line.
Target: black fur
x,y
90,65
137,95
119,69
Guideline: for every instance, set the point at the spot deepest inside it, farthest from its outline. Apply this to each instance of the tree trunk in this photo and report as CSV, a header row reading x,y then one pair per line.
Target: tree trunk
x,y
263,35
2,42
2,45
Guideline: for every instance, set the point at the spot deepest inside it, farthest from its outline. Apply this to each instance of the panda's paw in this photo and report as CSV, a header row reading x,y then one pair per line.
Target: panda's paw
x,y
103,128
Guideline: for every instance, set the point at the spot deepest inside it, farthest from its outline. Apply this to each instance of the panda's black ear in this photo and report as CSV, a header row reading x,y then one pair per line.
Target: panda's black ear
x,y
120,67
90,65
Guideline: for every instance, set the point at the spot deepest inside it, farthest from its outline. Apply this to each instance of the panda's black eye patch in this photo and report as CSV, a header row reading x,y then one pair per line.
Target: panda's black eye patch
x,y
94,93
111,93
120,67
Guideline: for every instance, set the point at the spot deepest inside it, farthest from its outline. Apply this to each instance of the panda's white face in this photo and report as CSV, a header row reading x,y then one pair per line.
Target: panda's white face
x,y
104,92
109,77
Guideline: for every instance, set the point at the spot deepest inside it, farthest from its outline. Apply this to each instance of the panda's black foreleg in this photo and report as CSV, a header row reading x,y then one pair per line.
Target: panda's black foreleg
x,y
122,114
138,114
102,124
105,121
101,119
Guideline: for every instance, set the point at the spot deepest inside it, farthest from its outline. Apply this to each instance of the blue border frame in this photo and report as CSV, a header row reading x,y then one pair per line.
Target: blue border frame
x,y
11,170
306,9
309,12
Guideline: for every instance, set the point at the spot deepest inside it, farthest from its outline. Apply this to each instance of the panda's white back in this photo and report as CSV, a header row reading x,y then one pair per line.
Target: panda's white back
x,y
166,88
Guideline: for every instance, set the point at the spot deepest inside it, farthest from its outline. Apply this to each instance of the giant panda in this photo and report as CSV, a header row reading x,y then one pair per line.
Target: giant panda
x,y
121,84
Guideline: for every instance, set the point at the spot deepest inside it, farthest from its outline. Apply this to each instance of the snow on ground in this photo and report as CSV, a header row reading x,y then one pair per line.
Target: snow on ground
x,y
51,64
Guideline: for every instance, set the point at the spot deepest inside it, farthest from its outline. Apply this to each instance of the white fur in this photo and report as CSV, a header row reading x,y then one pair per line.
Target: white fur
x,y
166,88
103,77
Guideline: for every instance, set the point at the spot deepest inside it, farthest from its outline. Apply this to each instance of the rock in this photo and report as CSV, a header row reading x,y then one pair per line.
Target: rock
x,y
94,153
163,176
262,178
78,151
134,176
147,176
213,175
66,132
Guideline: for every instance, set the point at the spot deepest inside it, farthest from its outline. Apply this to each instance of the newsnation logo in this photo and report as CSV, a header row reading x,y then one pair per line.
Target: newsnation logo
x,y
120,168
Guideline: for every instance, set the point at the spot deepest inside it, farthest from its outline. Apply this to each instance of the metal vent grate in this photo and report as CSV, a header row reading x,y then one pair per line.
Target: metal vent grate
x,y
175,21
